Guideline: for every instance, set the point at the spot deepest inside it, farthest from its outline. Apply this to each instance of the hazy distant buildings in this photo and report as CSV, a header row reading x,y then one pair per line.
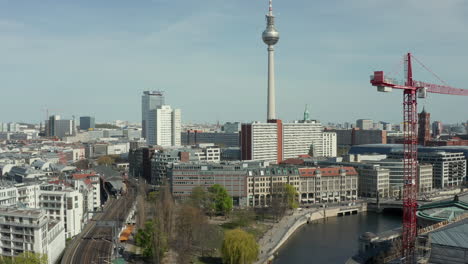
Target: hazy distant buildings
x,y
233,127
351,137
364,124
10,127
57,127
222,139
437,129
164,126
150,100
87,122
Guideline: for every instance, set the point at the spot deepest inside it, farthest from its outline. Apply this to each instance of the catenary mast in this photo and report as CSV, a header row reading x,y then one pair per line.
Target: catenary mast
x,y
271,36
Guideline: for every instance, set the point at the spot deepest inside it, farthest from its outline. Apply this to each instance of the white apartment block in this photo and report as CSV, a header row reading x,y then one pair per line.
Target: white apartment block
x,y
63,204
164,126
8,194
28,194
298,138
264,141
24,230
329,144
280,141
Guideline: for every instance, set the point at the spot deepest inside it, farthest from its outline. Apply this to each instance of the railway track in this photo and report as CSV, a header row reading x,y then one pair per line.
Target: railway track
x,y
95,243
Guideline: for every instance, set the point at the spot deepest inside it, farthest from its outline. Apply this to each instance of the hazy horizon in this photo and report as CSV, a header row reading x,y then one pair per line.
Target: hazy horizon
x,y
97,57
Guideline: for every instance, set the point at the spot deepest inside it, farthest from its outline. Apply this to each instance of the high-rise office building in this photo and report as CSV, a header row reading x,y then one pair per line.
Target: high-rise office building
x,y
57,127
364,124
424,127
87,122
164,126
150,100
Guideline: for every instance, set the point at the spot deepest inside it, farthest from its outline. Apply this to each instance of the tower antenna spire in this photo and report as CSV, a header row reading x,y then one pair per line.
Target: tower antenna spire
x,y
271,8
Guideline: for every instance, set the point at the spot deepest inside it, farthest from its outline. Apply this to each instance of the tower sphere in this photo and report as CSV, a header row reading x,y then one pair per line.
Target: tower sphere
x,y
270,36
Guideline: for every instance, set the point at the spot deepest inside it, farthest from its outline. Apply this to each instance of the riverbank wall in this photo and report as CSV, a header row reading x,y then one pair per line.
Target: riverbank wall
x,y
310,217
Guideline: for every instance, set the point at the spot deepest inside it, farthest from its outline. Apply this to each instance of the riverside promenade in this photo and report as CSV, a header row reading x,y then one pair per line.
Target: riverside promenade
x,y
280,232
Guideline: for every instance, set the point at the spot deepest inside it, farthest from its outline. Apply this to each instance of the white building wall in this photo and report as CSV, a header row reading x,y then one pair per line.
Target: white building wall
x,y
329,144
29,195
64,205
298,138
8,195
55,243
176,127
264,141
164,126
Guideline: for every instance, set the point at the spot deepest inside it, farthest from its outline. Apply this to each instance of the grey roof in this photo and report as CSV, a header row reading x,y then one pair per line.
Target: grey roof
x,y
456,236
106,171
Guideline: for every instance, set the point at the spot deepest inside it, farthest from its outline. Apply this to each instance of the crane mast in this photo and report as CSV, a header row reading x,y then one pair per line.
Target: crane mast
x,y
411,91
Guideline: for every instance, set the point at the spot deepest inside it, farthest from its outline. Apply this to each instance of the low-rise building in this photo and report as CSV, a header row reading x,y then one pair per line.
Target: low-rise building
x,y
449,168
332,184
374,181
263,184
185,176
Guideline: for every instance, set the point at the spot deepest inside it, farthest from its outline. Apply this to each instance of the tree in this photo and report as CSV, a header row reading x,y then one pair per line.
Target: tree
x,y
239,247
291,195
83,164
151,239
105,160
221,200
189,220
144,238
26,258
201,199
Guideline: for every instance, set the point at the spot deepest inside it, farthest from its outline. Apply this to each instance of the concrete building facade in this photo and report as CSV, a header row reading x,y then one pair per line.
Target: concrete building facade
x,y
164,126
277,141
449,168
24,230
364,124
374,181
330,184
87,122
150,100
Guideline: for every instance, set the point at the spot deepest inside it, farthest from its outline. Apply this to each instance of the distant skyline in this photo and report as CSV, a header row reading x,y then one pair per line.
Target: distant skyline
x,y
97,57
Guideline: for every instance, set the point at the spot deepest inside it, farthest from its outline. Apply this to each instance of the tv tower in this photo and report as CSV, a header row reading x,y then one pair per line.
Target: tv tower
x,y
271,36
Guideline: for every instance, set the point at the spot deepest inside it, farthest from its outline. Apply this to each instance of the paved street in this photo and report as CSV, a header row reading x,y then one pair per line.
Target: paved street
x,y
272,237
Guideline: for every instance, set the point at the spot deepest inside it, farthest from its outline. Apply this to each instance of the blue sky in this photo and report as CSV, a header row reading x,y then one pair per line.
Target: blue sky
x,y
92,57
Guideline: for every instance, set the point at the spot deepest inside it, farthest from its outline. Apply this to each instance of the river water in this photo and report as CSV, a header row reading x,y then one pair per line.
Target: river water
x,y
334,240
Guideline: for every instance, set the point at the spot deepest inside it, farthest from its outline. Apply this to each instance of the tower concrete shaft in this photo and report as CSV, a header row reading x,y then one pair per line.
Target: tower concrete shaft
x,y
271,36
271,115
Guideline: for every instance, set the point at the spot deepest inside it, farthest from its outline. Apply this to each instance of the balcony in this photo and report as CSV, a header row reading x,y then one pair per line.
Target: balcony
x,y
18,223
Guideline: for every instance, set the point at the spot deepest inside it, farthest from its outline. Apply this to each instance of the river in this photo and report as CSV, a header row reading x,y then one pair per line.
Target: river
x,y
334,240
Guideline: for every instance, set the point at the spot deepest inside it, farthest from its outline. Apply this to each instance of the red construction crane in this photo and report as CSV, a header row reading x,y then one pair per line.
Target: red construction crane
x,y
411,90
